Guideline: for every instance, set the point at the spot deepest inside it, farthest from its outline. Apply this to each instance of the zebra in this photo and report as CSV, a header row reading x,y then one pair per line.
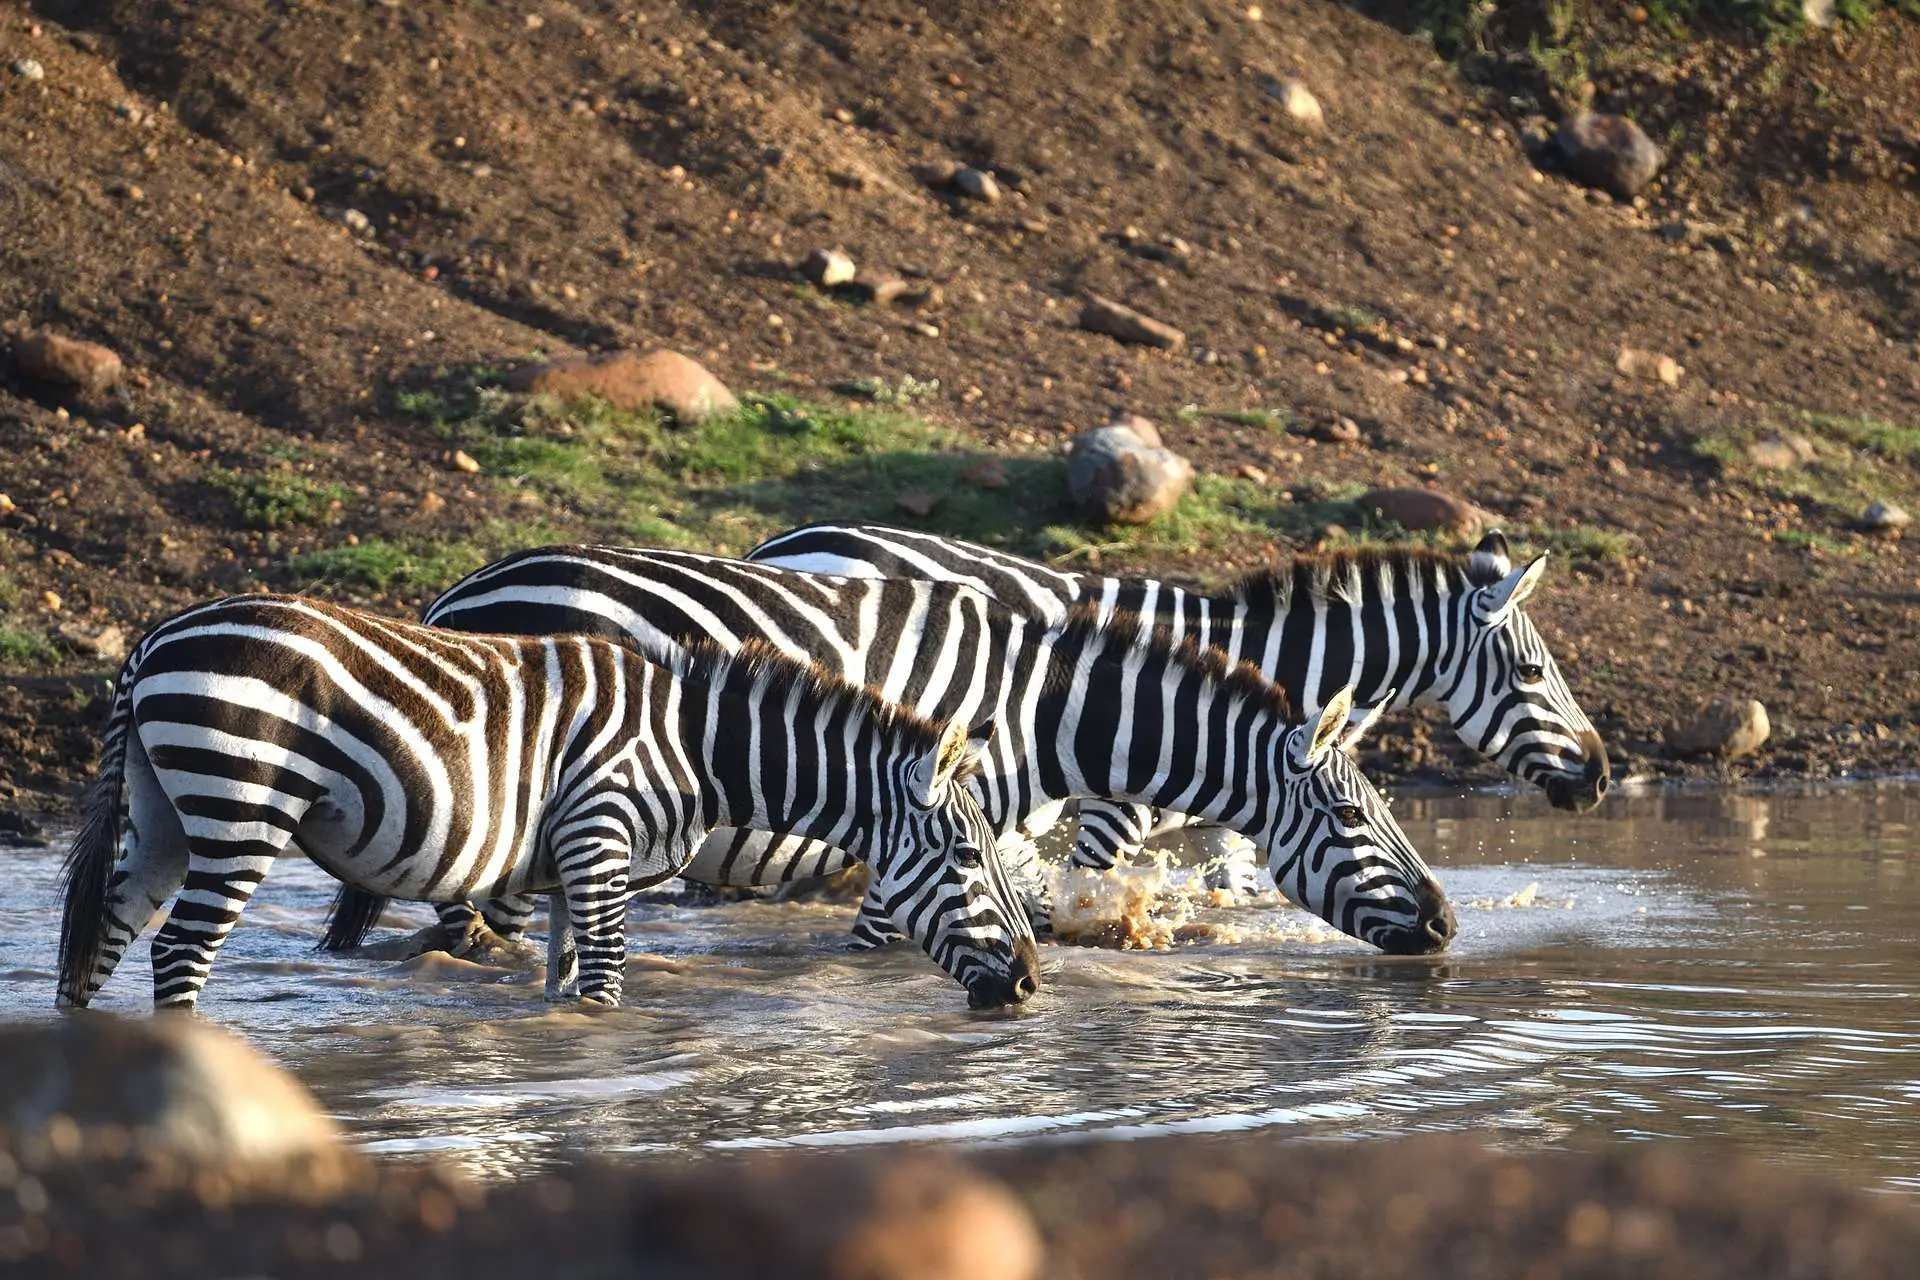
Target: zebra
x,y
1089,706
1401,624
411,761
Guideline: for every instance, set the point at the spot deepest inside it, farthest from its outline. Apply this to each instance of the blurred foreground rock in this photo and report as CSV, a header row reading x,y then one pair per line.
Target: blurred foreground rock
x,y
171,1090
1424,511
633,380
1121,474
1440,1206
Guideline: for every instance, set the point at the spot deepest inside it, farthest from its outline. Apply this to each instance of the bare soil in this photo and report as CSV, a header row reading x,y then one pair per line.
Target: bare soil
x,y
554,178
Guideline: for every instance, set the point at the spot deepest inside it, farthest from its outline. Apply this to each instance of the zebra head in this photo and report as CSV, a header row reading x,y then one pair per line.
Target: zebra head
x,y
1505,694
936,873
1335,850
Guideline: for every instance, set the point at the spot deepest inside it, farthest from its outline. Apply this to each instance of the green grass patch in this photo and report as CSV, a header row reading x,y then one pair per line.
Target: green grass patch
x,y
1586,543
385,568
1855,461
1894,443
278,499
1813,540
1275,420
23,650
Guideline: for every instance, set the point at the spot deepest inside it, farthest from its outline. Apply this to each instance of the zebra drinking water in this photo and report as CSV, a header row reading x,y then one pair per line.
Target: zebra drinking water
x,y
1087,707
428,764
1400,624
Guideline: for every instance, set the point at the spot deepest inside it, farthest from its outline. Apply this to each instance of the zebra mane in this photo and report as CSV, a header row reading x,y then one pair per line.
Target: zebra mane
x,y
1156,642
756,662
1336,575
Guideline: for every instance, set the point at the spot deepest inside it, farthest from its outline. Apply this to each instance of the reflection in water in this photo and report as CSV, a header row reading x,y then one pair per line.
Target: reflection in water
x,y
1735,966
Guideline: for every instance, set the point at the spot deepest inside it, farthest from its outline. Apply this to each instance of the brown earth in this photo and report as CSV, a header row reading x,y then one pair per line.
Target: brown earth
x,y
562,178
1167,1208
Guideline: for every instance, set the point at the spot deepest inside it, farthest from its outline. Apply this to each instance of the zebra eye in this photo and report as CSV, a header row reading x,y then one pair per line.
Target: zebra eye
x,y
1350,815
968,856
1530,671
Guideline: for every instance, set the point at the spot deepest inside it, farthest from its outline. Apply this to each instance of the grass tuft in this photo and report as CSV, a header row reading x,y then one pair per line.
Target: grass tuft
x,y
278,499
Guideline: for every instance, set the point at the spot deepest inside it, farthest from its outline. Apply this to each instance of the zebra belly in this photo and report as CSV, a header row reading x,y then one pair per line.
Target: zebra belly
x,y
334,835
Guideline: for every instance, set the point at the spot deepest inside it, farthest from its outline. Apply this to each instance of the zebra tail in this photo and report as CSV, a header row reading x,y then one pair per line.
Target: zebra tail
x,y
351,918
89,865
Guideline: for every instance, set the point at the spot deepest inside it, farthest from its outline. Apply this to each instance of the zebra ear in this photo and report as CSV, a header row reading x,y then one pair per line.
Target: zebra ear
x,y
932,775
1362,720
1489,562
1508,594
1327,729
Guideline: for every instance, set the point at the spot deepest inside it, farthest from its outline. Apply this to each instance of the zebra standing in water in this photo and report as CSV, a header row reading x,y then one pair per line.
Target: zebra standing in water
x,y
1088,707
434,765
1401,624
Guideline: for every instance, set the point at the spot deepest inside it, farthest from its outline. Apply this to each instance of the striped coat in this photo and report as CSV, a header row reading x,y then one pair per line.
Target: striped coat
x,y
415,762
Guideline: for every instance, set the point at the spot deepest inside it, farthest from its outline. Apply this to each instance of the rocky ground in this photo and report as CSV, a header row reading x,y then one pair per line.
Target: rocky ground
x,y
306,230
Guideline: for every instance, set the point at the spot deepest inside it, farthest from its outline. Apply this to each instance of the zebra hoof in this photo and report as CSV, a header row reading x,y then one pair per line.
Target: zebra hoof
x,y
600,1000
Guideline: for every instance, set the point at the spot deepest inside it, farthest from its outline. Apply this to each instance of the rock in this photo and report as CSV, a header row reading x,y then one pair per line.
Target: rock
x,y
168,1088
917,502
67,362
1609,152
51,601
986,474
1817,13
108,643
827,268
28,69
1342,430
886,1217
924,329
1885,518
356,222
876,287
6,504
1649,365
975,184
1423,510
1778,454
464,461
1726,727
633,380
1102,315
1297,101
1120,475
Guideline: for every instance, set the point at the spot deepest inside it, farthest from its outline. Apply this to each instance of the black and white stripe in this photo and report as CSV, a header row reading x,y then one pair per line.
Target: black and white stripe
x,y
1084,707
420,763
1402,626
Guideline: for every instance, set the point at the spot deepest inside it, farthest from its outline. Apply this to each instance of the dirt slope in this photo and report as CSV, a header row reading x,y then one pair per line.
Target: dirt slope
x,y
554,177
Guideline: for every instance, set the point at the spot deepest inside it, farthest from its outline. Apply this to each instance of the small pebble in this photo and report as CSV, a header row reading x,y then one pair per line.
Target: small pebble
x,y
50,601
29,69
924,329
464,461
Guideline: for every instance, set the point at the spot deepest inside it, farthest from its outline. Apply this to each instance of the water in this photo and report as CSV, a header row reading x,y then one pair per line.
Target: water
x,y
1740,967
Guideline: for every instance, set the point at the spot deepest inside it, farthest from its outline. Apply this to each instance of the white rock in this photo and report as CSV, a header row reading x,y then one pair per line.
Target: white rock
x,y
1885,517
976,184
1298,101
1726,727
28,69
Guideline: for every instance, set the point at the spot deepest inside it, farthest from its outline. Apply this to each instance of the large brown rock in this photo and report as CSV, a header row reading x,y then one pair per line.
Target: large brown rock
x,y
1609,152
1120,474
633,380
67,362
1726,727
170,1088
1423,511
1103,315
909,1217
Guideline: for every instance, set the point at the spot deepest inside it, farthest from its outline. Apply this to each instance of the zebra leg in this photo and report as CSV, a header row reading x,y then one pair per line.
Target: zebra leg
x,y
150,868
1110,830
873,927
508,917
1230,861
563,958
226,862
593,879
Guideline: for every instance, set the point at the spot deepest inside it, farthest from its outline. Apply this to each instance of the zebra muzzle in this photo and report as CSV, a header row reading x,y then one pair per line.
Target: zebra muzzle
x,y
1021,981
1580,793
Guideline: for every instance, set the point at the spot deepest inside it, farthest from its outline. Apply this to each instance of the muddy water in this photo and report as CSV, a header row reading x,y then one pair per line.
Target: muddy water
x,y
1731,966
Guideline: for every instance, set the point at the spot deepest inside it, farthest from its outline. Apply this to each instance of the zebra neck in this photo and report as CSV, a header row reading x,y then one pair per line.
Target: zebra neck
x,y
774,763
1146,728
1393,623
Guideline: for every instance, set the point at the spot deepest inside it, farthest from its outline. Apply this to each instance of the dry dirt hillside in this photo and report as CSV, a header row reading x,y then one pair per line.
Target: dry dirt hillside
x,y
317,235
